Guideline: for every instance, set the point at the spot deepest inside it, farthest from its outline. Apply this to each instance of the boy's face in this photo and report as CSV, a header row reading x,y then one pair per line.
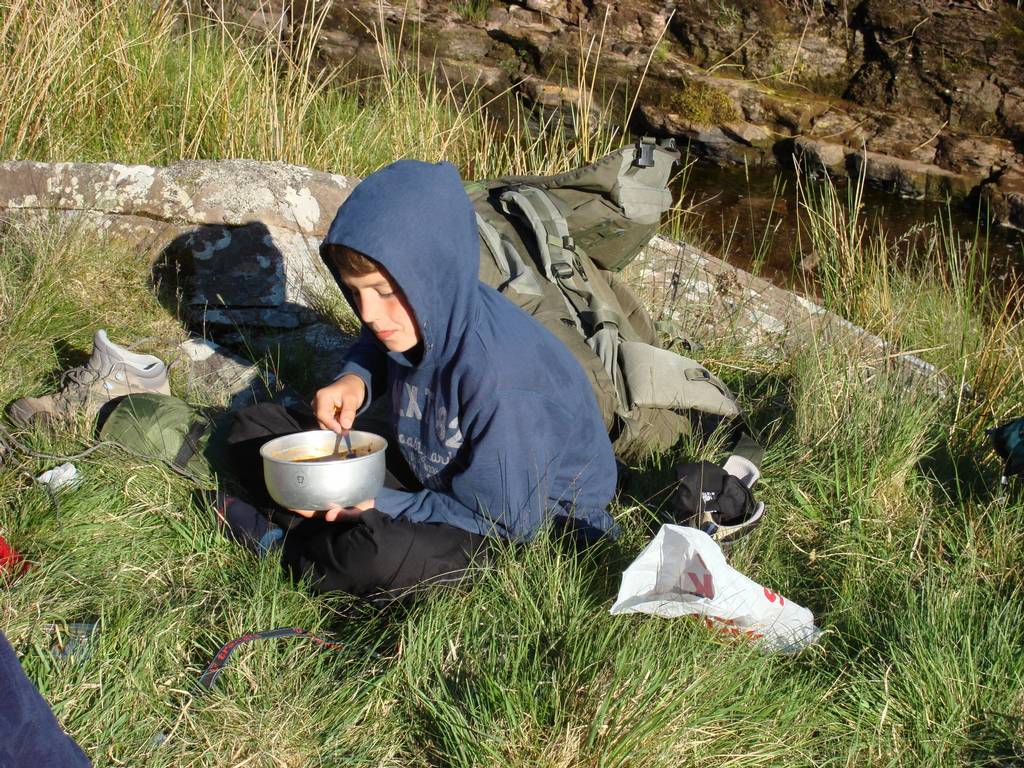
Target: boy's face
x,y
383,308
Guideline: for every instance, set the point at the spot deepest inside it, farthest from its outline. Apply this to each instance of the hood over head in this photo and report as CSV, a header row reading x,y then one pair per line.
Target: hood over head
x,y
415,220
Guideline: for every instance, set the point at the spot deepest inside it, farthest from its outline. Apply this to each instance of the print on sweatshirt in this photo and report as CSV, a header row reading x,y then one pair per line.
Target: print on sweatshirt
x,y
426,464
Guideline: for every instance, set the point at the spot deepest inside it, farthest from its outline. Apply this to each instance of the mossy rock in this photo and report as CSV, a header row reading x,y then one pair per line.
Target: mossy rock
x,y
705,105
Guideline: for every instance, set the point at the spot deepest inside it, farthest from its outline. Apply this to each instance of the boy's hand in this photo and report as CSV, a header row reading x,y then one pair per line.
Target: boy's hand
x,y
338,513
336,404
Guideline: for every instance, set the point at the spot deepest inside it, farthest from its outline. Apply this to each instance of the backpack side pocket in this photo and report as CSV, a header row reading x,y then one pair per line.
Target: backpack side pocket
x,y
657,378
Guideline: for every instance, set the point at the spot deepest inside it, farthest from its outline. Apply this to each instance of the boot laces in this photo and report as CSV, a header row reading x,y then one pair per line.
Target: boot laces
x,y
76,384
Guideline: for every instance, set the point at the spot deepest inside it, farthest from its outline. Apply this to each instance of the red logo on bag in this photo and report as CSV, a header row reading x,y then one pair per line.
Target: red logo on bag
x,y
728,627
772,597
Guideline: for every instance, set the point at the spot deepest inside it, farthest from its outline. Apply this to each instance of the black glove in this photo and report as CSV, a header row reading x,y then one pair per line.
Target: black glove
x,y
711,499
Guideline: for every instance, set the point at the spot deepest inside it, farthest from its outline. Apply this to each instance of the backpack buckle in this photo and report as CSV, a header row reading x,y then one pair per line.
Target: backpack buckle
x,y
644,157
569,245
564,270
561,269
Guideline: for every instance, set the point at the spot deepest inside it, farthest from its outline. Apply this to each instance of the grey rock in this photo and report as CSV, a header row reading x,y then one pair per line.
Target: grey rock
x,y
724,302
216,375
902,136
1005,198
1011,112
821,156
842,126
190,192
908,178
565,10
975,155
749,134
459,42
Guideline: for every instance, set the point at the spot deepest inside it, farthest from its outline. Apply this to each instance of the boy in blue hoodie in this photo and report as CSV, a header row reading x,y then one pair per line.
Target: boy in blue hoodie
x,y
491,413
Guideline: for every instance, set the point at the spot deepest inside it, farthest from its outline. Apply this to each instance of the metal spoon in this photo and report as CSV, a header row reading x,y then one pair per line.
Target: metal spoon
x,y
337,446
337,441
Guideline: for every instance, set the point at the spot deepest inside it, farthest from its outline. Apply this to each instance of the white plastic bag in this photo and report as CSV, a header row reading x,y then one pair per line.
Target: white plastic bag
x,y
683,572
61,477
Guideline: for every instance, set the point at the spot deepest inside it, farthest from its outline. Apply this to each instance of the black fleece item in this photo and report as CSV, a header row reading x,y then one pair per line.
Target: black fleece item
x,y
707,491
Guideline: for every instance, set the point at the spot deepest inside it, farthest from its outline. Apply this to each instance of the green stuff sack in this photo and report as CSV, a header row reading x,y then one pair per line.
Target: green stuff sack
x,y
164,428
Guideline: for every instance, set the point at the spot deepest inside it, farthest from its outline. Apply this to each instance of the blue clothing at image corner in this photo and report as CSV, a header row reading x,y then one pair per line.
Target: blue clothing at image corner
x,y
496,417
30,736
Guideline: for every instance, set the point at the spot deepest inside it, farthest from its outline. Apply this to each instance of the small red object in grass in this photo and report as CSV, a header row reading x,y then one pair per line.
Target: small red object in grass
x,y
11,563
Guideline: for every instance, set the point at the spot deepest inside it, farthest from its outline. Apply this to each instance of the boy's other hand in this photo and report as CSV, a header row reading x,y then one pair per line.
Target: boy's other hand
x,y
336,404
338,513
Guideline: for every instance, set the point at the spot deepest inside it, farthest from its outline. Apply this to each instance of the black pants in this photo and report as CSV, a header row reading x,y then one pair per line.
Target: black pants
x,y
375,556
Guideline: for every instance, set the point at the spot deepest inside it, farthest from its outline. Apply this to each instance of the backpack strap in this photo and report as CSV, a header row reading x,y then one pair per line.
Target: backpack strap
x,y
598,323
560,262
517,275
190,443
555,243
493,242
606,342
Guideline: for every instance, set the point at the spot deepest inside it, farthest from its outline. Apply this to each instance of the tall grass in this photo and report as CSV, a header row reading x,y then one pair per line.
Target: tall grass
x,y
885,514
931,292
144,84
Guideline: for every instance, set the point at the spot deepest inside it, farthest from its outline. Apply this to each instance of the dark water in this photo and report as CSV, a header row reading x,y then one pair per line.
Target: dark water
x,y
751,220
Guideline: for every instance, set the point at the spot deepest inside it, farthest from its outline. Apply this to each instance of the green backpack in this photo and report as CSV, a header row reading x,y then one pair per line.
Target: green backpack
x,y
164,428
553,246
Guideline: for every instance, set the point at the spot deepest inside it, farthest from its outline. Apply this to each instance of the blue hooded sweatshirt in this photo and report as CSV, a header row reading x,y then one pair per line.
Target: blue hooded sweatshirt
x,y
492,412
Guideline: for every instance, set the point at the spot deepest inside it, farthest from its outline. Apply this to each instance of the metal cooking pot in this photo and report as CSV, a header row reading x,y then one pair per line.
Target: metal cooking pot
x,y
317,484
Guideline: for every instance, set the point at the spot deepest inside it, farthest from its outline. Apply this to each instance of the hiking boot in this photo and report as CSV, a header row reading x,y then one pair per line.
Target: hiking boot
x,y
112,372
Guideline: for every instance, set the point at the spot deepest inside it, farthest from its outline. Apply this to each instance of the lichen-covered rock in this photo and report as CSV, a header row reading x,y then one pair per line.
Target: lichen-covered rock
x,y
717,300
237,239
196,192
216,376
